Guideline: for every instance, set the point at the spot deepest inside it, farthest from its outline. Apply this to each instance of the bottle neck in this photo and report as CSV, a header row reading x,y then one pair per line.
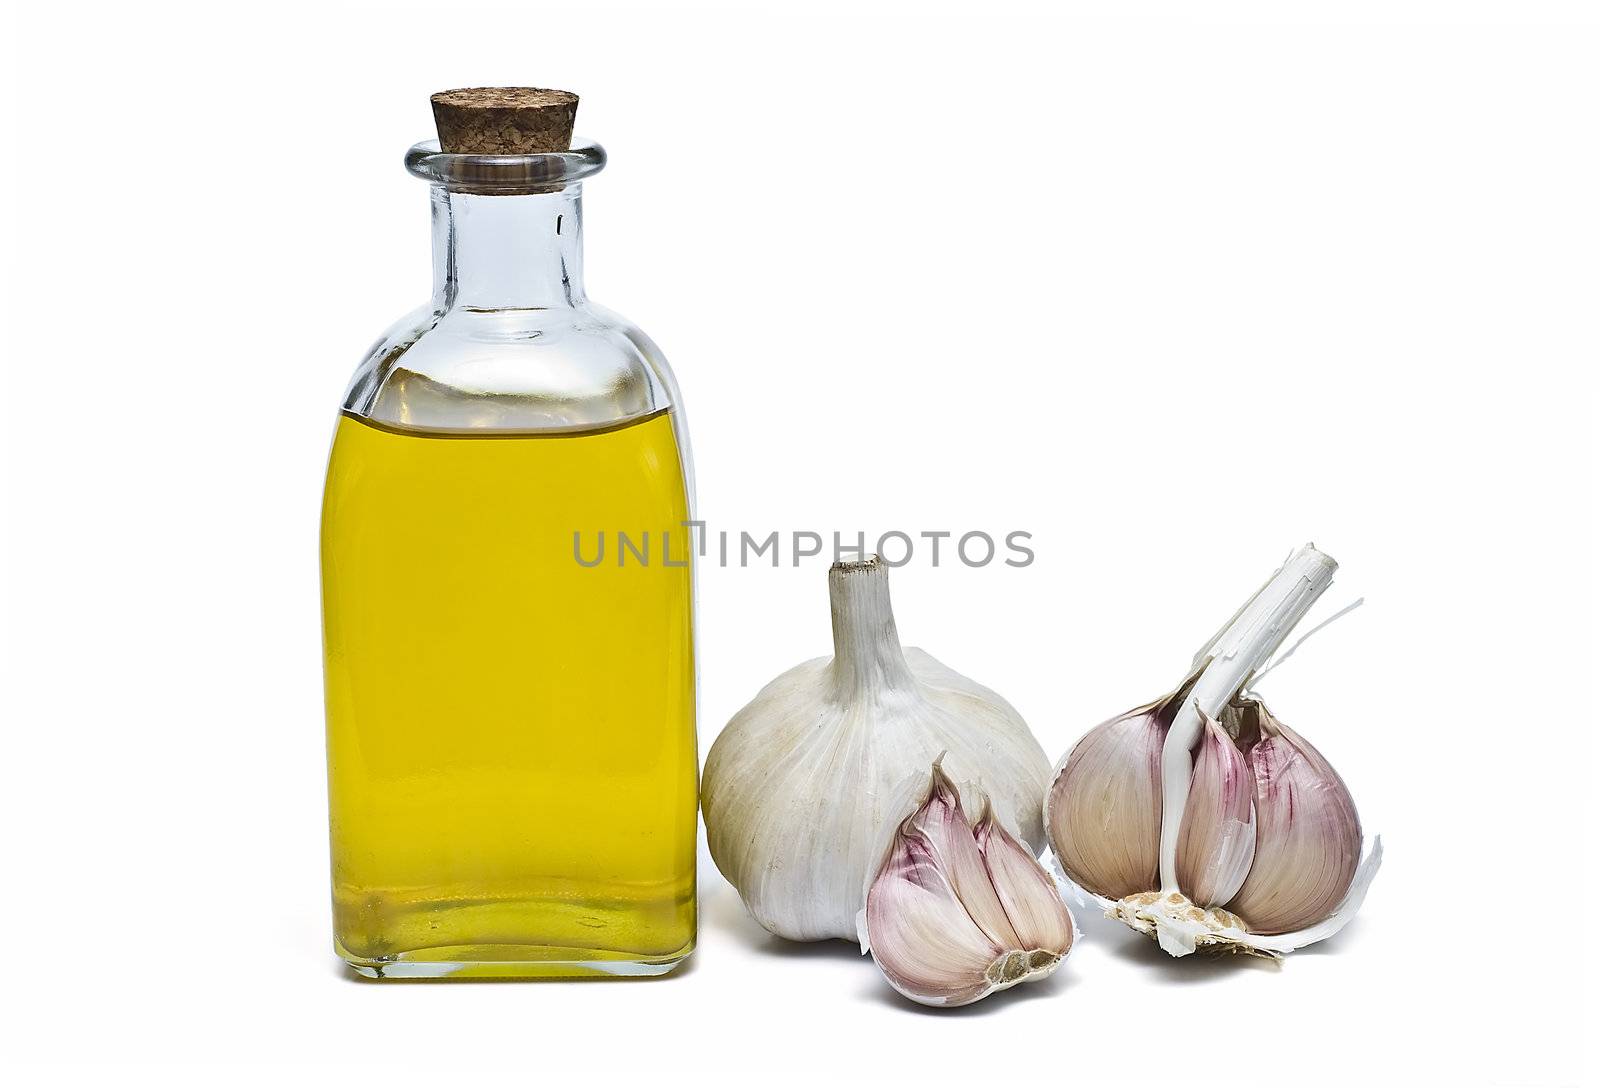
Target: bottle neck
x,y
508,252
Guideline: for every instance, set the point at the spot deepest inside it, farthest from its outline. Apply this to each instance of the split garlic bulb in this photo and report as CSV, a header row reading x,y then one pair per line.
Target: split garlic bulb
x,y
803,788
960,910
1202,820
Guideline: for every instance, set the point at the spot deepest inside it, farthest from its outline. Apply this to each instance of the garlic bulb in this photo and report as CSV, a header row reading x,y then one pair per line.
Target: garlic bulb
x,y
803,787
1202,820
958,910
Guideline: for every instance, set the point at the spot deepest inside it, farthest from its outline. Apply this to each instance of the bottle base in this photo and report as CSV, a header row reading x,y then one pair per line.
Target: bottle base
x,y
512,962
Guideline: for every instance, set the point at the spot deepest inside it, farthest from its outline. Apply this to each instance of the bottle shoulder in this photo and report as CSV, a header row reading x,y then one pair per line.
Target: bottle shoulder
x,y
566,368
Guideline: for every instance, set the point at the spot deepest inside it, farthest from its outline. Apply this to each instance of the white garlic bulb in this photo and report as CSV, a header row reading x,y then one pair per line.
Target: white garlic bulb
x,y
1202,820
803,787
960,910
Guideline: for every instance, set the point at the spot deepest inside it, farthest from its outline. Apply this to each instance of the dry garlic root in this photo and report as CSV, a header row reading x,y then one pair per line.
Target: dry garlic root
x,y
1202,820
960,910
805,785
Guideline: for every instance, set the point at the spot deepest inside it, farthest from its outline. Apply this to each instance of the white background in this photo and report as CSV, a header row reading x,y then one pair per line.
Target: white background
x,y
1173,289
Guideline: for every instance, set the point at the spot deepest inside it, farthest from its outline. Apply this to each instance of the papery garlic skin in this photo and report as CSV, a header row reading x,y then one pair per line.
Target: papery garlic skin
x,y
803,787
958,911
1308,834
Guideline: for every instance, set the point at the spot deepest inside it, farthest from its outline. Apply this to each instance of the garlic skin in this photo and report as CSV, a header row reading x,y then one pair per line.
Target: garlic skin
x,y
803,787
959,911
1258,841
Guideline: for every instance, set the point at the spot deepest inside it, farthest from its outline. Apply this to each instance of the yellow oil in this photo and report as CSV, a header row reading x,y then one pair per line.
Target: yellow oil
x,y
511,747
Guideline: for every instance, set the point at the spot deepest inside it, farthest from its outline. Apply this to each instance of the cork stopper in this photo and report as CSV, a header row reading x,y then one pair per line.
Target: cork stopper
x,y
504,120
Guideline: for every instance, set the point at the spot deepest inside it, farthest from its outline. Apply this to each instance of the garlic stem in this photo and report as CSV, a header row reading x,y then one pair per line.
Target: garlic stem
x,y
1237,651
866,647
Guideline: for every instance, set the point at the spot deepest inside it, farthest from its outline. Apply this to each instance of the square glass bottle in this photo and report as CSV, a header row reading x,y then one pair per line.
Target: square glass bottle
x,y
511,746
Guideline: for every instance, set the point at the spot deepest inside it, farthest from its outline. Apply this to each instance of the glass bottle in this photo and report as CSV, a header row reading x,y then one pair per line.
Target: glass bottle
x,y
511,748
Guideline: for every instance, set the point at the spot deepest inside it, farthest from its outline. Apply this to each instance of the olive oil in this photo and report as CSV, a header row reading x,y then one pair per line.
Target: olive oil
x,y
511,747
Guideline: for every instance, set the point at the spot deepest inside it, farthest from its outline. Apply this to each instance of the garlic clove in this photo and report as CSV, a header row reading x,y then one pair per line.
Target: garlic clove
x,y
1103,808
956,853
957,912
1218,837
1027,892
920,934
1278,944
1308,835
